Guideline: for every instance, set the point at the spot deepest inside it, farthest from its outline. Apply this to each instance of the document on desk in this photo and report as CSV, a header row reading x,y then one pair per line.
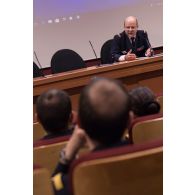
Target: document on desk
x,y
142,58
159,54
156,55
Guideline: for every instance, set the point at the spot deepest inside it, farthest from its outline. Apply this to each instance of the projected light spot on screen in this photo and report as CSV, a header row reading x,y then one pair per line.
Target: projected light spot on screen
x,y
71,24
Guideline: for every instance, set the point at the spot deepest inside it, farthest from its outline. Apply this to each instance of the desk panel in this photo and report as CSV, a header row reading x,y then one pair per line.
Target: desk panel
x,y
141,72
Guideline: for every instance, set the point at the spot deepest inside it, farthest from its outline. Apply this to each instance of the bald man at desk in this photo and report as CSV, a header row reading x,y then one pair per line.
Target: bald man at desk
x,y
131,43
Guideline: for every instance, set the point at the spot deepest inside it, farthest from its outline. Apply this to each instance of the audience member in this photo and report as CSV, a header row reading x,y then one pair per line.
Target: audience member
x,y
102,119
54,113
131,43
143,101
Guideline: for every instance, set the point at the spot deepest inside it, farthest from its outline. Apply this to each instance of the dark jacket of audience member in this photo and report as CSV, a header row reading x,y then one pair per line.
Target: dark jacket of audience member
x,y
54,112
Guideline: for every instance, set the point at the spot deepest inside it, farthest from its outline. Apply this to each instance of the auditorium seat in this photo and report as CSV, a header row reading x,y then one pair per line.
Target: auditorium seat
x,y
36,71
160,100
41,181
146,128
105,52
65,60
46,152
38,131
128,170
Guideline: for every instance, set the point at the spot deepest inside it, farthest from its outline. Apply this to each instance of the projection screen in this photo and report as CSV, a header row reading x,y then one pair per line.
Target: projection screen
x,y
63,24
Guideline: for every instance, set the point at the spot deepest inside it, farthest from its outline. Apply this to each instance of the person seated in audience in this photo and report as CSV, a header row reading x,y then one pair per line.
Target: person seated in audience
x,y
143,102
103,117
54,112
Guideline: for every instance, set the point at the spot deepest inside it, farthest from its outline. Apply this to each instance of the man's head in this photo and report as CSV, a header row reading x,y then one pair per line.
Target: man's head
x,y
104,110
54,110
131,26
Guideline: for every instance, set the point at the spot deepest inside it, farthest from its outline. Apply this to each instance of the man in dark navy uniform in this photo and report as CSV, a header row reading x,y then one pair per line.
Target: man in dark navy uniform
x,y
131,43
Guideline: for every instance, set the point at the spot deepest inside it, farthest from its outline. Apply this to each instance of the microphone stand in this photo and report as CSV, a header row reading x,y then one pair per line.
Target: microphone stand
x,y
94,52
41,68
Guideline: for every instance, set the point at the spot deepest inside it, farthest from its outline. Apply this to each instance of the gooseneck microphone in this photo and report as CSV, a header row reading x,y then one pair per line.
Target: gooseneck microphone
x,y
40,67
148,43
94,52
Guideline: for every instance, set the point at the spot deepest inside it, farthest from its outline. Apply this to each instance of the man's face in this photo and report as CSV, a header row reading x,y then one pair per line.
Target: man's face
x,y
130,27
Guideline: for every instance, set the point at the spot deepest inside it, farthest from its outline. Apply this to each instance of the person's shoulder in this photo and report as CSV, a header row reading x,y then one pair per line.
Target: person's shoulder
x,y
120,35
141,32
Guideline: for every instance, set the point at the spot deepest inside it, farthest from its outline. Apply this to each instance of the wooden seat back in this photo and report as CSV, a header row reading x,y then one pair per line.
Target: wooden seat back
x,y
130,170
160,100
146,128
38,131
47,154
42,182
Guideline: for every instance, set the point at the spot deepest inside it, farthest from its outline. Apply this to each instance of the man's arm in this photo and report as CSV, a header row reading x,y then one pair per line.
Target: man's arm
x,y
68,154
117,54
115,49
149,50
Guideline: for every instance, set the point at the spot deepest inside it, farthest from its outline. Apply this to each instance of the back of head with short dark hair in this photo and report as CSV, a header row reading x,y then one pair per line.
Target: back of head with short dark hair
x,y
53,110
143,101
104,110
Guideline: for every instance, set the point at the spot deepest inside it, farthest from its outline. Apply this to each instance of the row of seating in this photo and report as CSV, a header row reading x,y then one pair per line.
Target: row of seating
x,y
39,132
65,60
134,169
143,129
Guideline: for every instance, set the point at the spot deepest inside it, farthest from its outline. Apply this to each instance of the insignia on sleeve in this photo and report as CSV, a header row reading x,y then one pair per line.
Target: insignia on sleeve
x,y
57,181
140,48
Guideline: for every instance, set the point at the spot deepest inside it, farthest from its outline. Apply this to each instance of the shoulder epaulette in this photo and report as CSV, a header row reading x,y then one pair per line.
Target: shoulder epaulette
x,y
57,181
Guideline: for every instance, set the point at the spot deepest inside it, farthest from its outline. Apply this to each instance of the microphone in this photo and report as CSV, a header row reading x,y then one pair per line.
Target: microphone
x,y
40,67
148,43
94,51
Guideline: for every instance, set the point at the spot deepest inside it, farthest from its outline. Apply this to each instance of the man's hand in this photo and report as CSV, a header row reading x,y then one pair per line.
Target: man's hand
x,y
130,56
77,140
149,52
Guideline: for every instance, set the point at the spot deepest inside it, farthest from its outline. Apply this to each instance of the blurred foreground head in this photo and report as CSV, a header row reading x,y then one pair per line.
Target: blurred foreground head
x,y
104,110
54,110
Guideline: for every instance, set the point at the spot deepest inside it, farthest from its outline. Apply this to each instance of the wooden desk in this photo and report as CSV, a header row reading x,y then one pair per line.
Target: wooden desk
x,y
141,72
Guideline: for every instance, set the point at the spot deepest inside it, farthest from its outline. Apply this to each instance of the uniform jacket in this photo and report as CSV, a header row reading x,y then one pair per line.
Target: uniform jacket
x,y
122,44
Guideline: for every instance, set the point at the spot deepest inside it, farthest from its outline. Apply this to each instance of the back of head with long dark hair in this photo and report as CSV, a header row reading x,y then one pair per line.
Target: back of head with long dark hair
x,y
143,101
